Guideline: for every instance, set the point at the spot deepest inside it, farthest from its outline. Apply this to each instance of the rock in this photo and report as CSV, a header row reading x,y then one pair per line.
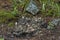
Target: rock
x,y
32,8
53,23
50,27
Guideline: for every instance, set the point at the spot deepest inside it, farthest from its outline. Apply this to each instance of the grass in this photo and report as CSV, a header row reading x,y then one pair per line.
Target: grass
x,y
1,38
48,8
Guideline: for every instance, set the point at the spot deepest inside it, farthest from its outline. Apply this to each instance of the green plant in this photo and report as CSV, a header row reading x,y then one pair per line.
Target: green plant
x,y
1,38
4,16
50,8
10,24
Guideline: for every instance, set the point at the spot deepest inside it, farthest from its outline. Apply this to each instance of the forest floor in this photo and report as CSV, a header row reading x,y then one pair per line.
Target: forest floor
x,y
45,34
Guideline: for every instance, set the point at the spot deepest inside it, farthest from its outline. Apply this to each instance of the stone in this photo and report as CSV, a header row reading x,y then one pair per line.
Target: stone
x,y
56,22
32,8
50,27
53,24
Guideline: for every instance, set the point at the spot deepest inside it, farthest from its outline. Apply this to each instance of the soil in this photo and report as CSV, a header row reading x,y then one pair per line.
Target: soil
x,y
44,34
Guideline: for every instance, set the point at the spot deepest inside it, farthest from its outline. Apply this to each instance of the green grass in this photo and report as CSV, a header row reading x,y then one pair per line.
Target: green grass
x,y
48,8
1,38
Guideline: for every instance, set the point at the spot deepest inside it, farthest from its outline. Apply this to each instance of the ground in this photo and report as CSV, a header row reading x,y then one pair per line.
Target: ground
x,y
8,20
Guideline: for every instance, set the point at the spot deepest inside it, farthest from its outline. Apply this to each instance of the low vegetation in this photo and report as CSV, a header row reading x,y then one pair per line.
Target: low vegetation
x,y
48,8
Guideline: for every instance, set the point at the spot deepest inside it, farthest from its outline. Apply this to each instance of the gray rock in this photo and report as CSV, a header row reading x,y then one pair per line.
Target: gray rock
x,y
50,27
55,21
32,8
53,24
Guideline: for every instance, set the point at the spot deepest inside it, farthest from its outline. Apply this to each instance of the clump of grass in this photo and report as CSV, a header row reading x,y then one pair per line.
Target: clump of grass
x,y
4,16
7,15
10,24
50,8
